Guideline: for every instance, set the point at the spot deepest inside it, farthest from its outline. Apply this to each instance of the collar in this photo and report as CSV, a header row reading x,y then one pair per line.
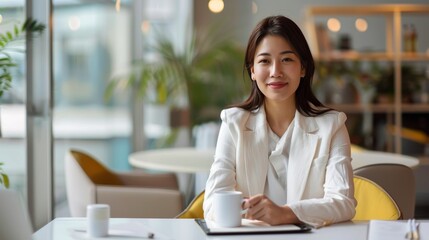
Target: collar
x,y
257,120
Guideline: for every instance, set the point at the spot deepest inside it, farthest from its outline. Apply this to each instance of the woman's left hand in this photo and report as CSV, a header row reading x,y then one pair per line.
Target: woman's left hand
x,y
260,207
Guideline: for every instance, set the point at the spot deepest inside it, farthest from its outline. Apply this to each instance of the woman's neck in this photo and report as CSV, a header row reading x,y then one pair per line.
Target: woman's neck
x,y
279,116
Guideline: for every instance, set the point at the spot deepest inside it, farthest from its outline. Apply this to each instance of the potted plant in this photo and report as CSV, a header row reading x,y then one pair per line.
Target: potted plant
x,y
8,44
207,72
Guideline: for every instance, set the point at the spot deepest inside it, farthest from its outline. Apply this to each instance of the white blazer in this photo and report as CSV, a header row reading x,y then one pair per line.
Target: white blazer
x,y
319,174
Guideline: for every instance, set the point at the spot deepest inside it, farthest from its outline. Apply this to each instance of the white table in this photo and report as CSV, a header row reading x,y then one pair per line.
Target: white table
x,y
196,164
191,160
191,166
187,229
186,160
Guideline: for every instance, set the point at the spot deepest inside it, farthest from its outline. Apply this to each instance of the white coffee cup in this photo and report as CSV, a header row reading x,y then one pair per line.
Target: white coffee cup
x,y
227,208
98,220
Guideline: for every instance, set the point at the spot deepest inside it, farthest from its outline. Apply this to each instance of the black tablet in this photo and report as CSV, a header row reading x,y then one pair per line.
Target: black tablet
x,y
251,227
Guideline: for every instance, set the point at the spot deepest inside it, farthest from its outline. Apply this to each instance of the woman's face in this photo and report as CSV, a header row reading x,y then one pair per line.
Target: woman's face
x,y
277,69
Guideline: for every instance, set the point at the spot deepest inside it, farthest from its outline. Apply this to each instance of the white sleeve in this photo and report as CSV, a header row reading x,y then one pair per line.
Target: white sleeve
x,y
338,203
222,172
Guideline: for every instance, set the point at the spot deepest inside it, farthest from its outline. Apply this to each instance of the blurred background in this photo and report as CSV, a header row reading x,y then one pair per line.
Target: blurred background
x,y
105,103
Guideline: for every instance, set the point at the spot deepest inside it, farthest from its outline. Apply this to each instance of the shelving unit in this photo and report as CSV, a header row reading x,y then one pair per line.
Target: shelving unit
x,y
393,14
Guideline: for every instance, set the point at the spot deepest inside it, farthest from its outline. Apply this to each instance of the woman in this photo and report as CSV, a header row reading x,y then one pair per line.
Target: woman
x,y
287,152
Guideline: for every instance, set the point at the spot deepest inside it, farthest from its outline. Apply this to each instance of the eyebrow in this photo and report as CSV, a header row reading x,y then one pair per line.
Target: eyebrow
x,y
284,52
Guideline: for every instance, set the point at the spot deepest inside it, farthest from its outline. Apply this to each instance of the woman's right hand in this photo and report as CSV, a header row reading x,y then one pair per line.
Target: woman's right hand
x,y
260,207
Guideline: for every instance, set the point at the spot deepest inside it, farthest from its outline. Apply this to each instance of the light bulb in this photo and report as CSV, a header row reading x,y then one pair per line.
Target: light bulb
x,y
334,24
145,26
74,23
361,25
216,6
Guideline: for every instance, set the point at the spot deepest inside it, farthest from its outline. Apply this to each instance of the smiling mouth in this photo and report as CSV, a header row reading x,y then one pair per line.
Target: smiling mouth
x,y
277,84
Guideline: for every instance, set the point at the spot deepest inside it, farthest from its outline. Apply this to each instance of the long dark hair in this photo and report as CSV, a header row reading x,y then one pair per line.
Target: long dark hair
x,y
306,103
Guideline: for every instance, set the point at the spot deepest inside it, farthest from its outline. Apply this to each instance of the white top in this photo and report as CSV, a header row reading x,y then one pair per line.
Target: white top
x,y
276,185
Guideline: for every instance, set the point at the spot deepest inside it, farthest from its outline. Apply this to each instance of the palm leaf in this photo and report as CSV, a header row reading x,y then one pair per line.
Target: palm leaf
x,y
30,26
4,179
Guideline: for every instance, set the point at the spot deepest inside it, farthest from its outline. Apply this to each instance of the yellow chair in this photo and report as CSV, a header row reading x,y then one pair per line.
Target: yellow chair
x,y
396,179
194,209
373,202
356,148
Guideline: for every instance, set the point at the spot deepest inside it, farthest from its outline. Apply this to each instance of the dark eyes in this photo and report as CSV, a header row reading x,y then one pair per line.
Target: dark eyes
x,y
287,59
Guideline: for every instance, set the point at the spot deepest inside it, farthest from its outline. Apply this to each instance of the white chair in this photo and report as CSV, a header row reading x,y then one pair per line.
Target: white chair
x,y
128,194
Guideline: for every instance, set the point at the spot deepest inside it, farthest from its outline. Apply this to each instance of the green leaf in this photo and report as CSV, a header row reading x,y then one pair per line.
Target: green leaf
x,y
31,26
4,39
110,89
9,36
5,180
16,30
6,61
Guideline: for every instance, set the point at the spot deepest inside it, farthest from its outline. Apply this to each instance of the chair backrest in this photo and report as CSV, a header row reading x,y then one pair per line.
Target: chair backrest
x,y
397,180
82,174
97,172
373,202
194,209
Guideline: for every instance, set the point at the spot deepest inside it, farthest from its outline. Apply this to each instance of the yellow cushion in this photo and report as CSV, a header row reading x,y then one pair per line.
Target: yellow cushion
x,y
373,202
356,148
194,209
98,173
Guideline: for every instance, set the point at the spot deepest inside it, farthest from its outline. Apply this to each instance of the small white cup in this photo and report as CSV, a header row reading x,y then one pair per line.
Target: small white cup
x,y
227,208
98,220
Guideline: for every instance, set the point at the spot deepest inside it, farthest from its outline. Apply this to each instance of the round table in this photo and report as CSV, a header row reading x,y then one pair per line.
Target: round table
x,y
366,157
191,166
185,160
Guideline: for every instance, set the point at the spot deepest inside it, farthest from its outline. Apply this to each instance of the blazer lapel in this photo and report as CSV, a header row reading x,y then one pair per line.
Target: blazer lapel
x,y
302,150
255,157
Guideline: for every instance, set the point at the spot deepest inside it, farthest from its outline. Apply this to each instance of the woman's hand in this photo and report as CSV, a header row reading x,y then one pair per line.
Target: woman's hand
x,y
261,208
